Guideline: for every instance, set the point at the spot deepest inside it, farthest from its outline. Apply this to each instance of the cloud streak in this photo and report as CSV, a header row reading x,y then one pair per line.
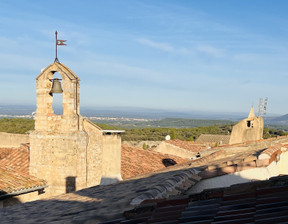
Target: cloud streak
x,y
165,47
209,50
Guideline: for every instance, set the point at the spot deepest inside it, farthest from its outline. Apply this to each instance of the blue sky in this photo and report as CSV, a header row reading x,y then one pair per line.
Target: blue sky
x,y
182,55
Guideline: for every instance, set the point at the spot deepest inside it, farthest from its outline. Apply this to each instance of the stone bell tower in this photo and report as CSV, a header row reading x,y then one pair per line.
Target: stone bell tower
x,y
67,150
45,119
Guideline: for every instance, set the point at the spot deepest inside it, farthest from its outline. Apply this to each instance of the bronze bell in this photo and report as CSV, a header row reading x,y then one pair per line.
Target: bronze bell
x,y
56,86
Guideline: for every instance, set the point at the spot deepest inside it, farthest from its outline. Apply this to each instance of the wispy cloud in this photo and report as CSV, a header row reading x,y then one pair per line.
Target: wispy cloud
x,y
156,45
212,51
166,47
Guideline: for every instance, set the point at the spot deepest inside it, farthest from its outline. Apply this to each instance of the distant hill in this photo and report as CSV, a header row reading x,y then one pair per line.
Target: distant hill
x,y
187,123
282,120
130,112
163,123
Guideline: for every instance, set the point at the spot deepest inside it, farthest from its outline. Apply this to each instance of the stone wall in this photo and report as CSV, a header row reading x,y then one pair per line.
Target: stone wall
x,y
111,158
94,153
166,148
9,140
250,129
60,159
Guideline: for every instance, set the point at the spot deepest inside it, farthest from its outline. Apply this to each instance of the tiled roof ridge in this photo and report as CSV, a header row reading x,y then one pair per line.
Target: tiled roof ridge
x,y
172,186
209,157
251,202
250,162
271,151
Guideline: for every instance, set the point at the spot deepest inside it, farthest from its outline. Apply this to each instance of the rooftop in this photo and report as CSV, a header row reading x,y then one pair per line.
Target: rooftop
x,y
254,202
168,188
208,138
136,161
16,158
188,145
14,172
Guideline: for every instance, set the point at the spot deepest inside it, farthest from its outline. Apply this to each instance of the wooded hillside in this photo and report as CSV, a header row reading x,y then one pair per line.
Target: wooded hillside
x,y
21,126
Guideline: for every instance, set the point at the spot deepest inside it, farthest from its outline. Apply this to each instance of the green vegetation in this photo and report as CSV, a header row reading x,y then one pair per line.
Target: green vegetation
x,y
187,123
21,126
164,123
187,134
272,132
158,134
145,146
16,125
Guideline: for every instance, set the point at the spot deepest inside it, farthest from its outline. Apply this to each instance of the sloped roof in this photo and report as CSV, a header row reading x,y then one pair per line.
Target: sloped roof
x,y
101,203
188,145
136,161
14,172
61,68
207,138
254,202
17,158
14,182
4,152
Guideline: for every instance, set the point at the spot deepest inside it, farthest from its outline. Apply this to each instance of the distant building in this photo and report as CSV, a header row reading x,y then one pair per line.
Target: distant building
x,y
213,140
249,129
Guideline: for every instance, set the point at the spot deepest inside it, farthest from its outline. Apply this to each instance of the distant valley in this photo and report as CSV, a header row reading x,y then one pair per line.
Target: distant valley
x,y
143,117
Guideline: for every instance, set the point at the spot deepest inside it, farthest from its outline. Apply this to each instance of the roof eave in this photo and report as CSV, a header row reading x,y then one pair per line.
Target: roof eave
x,y
22,191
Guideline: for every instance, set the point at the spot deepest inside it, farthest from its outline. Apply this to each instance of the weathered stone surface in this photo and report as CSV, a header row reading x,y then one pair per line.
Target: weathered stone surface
x,y
249,129
68,151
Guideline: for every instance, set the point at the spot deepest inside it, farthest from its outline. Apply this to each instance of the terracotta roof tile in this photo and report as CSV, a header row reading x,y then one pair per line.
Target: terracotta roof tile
x,y
188,145
14,171
18,159
271,151
102,203
4,152
136,161
12,181
97,203
254,202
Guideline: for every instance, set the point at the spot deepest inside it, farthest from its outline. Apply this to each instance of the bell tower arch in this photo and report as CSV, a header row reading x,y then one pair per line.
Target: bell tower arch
x,y
45,118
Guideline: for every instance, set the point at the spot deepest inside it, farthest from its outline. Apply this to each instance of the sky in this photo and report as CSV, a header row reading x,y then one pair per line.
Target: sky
x,y
181,55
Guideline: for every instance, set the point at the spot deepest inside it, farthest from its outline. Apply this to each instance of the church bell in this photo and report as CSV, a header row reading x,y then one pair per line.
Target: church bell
x,y
56,86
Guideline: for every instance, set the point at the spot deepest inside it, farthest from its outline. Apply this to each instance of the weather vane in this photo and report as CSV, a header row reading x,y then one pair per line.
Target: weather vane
x,y
60,43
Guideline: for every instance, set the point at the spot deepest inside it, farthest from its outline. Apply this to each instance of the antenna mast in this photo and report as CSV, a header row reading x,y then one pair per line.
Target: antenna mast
x,y
262,106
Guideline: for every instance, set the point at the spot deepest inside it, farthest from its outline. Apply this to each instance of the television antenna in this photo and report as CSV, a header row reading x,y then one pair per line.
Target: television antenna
x,y
262,106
